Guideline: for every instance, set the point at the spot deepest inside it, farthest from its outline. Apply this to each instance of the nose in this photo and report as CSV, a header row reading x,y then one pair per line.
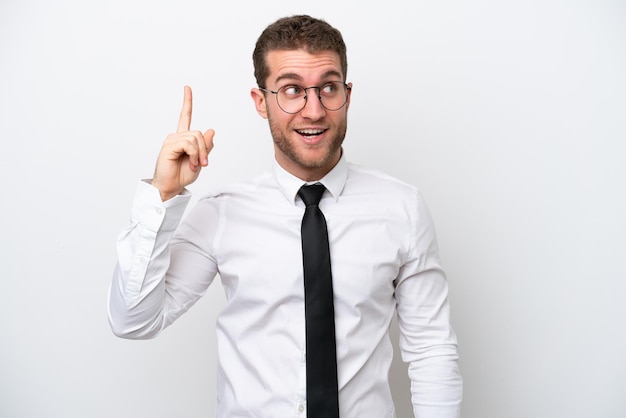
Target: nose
x,y
313,108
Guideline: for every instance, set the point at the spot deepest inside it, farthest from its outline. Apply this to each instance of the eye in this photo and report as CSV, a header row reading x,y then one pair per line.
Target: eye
x,y
328,89
292,90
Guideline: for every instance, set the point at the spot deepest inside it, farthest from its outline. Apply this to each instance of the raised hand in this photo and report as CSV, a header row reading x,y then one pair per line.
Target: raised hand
x,y
182,155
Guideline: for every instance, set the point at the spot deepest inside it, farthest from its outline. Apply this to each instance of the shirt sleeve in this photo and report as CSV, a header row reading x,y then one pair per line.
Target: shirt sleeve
x,y
427,341
151,284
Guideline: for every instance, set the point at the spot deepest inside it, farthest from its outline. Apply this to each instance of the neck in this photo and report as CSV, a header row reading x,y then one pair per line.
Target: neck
x,y
308,173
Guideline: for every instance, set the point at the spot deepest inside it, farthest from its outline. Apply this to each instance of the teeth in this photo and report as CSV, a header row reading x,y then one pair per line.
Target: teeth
x,y
311,131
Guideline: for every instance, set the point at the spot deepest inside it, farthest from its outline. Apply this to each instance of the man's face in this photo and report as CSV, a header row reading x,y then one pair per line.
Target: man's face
x,y
308,143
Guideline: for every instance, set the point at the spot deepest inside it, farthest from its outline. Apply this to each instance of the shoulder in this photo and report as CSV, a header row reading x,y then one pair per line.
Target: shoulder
x,y
364,179
249,191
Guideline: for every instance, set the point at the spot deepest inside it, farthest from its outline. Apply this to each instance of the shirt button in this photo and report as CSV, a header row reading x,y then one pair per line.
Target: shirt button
x,y
159,211
301,408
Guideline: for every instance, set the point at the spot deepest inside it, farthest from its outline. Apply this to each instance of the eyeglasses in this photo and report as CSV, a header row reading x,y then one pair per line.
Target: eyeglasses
x,y
292,98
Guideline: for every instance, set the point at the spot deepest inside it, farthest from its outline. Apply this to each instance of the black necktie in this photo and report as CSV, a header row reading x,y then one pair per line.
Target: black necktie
x,y
321,354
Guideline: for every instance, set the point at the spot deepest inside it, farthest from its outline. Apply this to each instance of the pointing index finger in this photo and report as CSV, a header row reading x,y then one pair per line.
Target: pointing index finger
x,y
184,122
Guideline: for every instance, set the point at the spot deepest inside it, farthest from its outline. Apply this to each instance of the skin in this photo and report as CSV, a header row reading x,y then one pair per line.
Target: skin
x,y
182,155
306,144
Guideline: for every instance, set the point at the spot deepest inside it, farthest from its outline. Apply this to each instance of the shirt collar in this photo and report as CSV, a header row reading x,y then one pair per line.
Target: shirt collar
x,y
334,181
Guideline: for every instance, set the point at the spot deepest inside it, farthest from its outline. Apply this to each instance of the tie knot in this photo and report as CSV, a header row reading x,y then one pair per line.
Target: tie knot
x,y
311,194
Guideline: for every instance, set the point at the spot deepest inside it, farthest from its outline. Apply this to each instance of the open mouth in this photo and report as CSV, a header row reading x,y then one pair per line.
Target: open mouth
x,y
310,133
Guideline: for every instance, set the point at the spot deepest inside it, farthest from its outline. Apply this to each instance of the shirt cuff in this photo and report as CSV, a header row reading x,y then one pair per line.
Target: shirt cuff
x,y
154,214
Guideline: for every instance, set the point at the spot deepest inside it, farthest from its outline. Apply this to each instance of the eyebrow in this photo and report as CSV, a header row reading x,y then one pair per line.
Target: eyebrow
x,y
297,77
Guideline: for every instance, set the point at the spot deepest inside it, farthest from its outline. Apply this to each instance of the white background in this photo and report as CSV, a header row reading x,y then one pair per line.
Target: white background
x,y
510,117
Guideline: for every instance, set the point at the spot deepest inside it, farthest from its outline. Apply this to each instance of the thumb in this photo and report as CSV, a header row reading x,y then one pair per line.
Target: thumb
x,y
208,139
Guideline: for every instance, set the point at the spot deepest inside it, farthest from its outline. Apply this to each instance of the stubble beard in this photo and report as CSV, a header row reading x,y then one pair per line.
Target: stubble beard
x,y
289,148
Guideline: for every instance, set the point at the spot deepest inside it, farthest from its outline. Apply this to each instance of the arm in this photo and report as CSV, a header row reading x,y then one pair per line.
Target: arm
x,y
427,341
152,285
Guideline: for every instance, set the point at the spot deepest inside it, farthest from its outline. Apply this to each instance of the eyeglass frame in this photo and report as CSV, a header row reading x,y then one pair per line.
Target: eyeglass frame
x,y
306,95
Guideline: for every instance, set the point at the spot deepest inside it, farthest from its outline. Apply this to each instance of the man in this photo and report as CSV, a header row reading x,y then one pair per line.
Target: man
x,y
383,254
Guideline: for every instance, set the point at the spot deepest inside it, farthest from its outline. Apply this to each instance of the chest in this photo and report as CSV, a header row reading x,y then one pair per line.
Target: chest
x,y
260,254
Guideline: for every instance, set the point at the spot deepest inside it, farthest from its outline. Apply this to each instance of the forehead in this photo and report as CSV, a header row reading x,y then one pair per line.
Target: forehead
x,y
300,65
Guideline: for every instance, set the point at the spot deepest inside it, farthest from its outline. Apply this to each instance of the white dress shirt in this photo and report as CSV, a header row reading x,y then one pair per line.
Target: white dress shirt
x,y
384,258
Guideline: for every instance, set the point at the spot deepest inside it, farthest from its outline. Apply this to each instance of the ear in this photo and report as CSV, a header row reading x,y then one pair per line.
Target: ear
x,y
349,95
258,97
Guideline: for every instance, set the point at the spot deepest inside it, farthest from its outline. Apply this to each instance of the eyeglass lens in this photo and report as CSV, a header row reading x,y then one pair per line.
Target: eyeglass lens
x,y
292,98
